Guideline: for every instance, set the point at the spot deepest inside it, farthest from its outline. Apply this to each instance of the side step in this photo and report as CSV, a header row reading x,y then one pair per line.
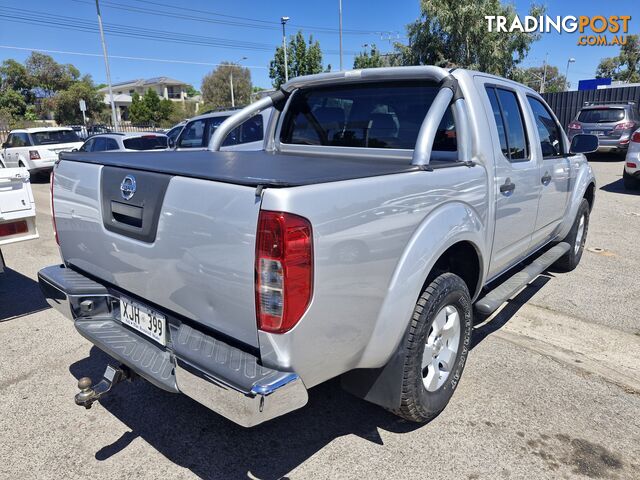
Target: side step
x,y
506,290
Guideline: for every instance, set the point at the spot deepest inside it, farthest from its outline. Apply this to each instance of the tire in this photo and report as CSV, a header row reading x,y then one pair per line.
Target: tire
x,y
576,238
425,393
630,182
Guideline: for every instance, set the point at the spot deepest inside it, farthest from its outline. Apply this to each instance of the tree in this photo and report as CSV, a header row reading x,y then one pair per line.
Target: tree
x,y
191,92
453,33
150,109
302,58
67,102
375,59
12,104
532,77
49,76
608,67
624,67
14,76
216,86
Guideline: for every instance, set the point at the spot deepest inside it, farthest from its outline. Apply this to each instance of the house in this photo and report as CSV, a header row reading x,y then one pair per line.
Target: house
x,y
165,87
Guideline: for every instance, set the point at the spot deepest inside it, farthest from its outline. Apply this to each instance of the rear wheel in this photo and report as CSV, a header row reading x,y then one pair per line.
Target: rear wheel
x,y
436,346
629,181
576,239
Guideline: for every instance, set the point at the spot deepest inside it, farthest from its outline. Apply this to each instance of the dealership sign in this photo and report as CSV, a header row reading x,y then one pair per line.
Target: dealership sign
x,y
594,29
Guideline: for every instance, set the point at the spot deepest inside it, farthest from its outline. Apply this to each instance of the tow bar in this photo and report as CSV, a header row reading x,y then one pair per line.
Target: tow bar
x,y
111,376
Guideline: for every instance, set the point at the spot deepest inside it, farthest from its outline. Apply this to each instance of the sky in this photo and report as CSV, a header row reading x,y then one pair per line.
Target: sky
x,y
192,36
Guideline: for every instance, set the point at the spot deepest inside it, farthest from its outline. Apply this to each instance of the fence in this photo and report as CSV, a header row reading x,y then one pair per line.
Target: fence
x,y
84,132
567,104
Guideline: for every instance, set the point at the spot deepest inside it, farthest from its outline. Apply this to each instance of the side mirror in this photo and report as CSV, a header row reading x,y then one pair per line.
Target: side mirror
x,y
172,143
583,143
5,145
74,150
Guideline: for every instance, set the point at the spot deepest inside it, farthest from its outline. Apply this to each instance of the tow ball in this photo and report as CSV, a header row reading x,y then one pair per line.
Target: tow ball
x,y
111,377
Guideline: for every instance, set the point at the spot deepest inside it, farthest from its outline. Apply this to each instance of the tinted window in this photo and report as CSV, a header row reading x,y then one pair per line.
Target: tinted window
x,y
86,147
548,130
192,134
146,142
508,116
20,140
50,137
601,115
249,131
99,144
380,115
214,123
111,144
174,132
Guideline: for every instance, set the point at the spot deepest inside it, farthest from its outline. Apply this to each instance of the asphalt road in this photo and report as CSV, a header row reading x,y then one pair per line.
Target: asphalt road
x,y
551,389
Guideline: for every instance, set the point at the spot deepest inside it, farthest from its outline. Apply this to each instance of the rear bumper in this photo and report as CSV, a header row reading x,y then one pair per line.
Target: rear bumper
x,y
220,376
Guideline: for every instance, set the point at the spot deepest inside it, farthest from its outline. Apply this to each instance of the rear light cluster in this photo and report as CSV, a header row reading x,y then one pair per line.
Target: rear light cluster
x,y
575,126
53,213
625,126
284,270
631,165
34,155
13,228
636,137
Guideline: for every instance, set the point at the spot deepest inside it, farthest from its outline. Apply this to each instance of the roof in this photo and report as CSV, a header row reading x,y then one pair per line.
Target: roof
x,y
141,82
121,97
39,129
128,134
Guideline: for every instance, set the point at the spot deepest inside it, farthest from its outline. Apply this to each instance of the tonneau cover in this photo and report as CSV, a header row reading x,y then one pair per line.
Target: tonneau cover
x,y
249,168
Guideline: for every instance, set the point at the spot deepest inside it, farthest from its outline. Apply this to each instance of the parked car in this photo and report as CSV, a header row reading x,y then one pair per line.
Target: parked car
x,y
125,142
36,149
612,123
17,208
231,283
174,131
631,171
197,132
96,129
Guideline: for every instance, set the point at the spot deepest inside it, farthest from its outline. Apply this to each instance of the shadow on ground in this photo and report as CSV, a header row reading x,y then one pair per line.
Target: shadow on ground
x,y
19,295
212,447
618,187
605,157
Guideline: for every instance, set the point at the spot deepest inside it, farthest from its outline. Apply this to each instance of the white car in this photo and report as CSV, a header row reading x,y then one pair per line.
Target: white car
x,y
17,208
125,142
36,149
196,134
631,172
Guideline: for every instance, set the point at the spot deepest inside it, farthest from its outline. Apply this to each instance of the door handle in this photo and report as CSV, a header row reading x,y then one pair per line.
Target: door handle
x,y
546,179
507,187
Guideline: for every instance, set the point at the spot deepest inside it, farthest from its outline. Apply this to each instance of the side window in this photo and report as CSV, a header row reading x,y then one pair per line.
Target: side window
x,y
508,116
548,130
249,131
9,141
192,135
111,144
99,144
87,146
20,140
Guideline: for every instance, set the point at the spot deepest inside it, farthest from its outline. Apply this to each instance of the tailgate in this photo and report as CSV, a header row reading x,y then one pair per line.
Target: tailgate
x,y
184,244
17,208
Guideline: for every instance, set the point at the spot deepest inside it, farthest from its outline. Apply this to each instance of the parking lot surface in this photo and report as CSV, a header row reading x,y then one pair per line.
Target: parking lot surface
x,y
551,388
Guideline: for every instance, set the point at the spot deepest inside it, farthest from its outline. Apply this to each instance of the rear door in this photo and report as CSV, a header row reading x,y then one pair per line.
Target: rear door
x,y
17,208
516,174
548,142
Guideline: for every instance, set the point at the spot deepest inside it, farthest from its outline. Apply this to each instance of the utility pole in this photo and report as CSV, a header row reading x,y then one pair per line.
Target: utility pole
x,y
114,117
340,23
284,20
544,74
566,73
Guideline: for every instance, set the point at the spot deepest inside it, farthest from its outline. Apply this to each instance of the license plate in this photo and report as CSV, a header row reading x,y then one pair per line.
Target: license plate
x,y
143,319
597,132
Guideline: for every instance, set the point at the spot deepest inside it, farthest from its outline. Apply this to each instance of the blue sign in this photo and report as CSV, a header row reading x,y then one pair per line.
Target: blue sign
x,y
593,83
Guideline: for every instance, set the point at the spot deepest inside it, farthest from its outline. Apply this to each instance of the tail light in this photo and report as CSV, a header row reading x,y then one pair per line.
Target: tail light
x,y
13,228
575,126
625,126
53,213
34,155
284,270
631,165
636,137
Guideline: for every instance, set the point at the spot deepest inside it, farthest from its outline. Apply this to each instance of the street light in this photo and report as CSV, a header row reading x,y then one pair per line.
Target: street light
x,y
233,100
566,73
284,20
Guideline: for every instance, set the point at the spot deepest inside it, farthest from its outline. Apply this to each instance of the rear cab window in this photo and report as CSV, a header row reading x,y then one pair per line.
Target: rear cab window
x,y
381,115
601,115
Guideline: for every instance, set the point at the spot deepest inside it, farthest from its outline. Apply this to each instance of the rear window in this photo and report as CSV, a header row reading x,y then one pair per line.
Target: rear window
x,y
380,115
601,115
147,142
50,137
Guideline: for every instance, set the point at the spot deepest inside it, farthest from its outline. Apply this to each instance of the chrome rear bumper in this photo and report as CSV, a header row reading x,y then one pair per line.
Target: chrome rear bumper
x,y
220,376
